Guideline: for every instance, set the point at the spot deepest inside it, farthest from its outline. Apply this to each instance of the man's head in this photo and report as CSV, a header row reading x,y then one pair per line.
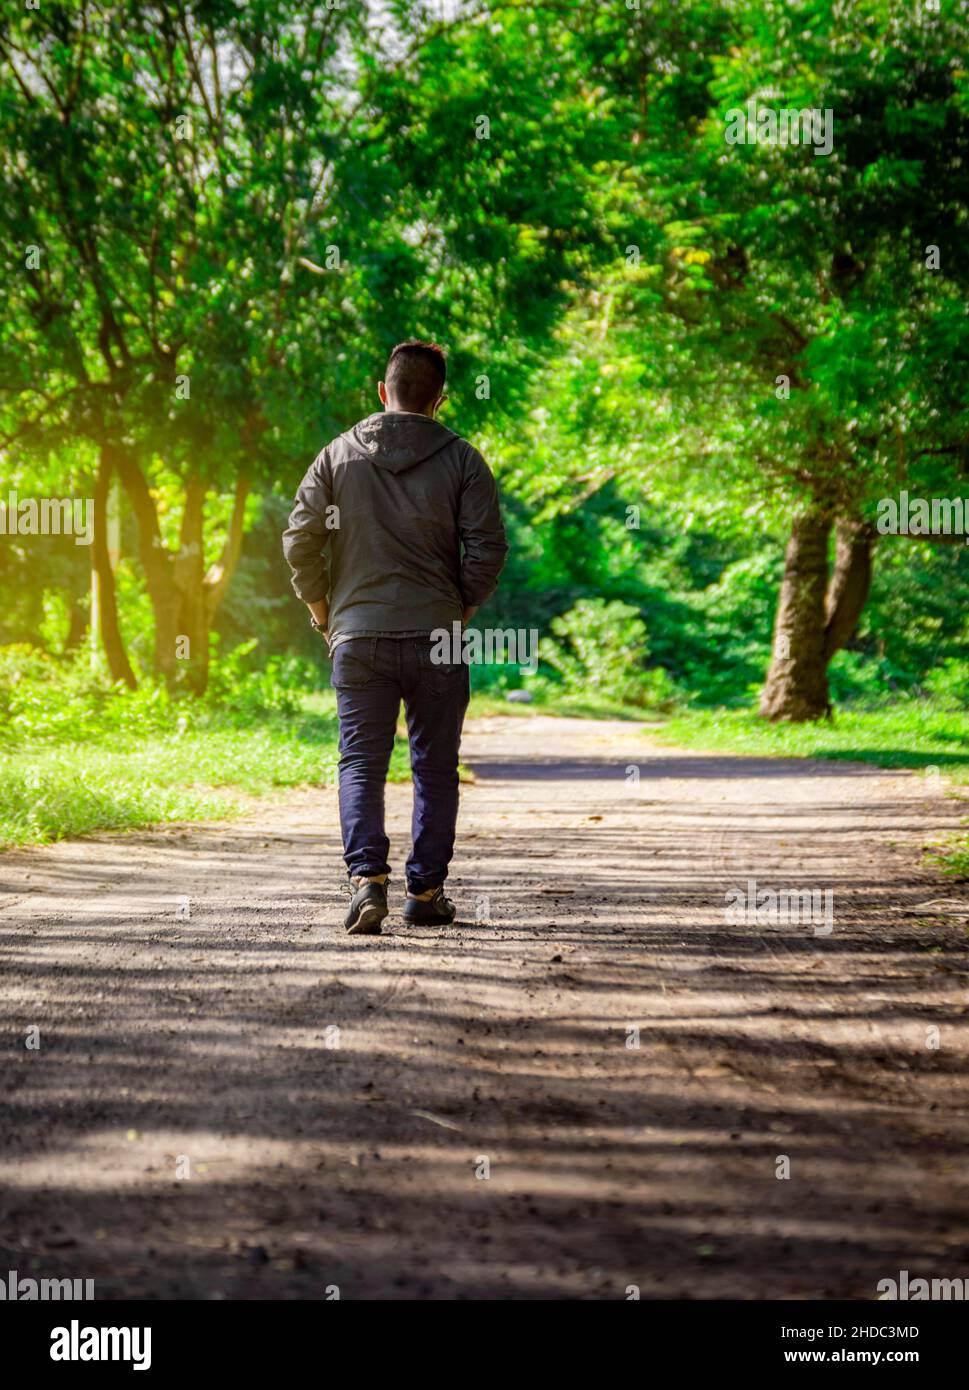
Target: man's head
x,y
414,379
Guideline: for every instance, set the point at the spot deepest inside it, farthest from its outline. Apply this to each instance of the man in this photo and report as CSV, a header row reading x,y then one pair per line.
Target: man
x,y
409,511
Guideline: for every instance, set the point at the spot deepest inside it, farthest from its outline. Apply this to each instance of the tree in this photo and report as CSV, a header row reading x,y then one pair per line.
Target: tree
x,y
235,210
753,280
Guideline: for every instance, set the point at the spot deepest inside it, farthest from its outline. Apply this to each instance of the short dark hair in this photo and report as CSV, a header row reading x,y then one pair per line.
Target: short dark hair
x,y
415,374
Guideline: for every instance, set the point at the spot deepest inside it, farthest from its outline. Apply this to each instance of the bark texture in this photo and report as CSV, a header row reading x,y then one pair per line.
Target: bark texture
x,y
816,616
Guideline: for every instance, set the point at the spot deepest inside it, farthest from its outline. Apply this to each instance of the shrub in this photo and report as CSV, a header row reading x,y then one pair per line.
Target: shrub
x,y
950,683
601,648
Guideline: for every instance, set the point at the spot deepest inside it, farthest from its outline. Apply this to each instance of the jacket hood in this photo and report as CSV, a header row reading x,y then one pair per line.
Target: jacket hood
x,y
397,439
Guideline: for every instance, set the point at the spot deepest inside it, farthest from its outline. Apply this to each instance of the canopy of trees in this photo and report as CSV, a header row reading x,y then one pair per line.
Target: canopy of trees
x,y
698,365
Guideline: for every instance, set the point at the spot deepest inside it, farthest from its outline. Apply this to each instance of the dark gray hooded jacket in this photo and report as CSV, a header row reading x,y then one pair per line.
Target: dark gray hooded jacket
x,y
409,512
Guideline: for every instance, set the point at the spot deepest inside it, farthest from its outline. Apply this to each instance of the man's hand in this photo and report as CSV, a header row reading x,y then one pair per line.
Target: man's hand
x,y
321,613
467,615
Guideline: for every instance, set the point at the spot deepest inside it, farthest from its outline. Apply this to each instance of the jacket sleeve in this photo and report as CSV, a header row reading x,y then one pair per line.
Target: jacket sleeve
x,y
308,535
482,532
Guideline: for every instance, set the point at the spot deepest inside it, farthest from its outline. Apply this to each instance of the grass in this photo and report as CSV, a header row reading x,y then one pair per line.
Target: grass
x,y
912,734
211,771
131,764
564,705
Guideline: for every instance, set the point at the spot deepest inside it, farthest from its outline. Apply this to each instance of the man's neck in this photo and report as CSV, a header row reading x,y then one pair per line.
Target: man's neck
x,y
400,410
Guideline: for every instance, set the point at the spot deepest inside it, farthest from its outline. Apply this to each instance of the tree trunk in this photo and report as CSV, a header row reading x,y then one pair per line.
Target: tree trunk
x,y
815,619
112,642
184,597
796,688
158,566
77,625
850,583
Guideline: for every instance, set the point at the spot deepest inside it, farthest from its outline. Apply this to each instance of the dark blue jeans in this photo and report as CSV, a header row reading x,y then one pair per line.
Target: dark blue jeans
x,y
371,676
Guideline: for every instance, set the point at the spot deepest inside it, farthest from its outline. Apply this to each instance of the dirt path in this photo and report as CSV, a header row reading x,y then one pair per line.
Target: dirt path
x,y
337,1099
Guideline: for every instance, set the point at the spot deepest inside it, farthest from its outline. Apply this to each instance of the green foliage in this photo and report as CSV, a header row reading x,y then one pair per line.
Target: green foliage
x,y
44,701
952,856
949,683
246,692
81,755
600,649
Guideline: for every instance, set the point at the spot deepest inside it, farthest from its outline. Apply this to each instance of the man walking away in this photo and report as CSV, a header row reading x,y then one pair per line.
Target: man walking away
x,y
408,511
